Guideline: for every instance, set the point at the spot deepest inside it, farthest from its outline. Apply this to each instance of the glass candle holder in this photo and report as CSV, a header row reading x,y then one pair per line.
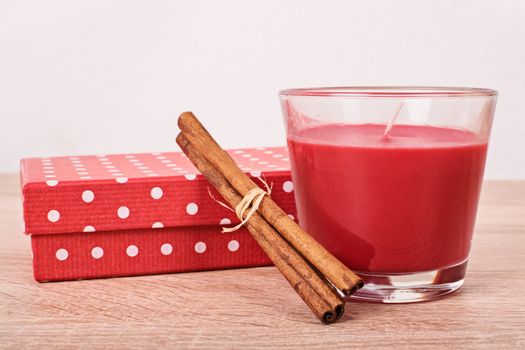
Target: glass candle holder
x,y
388,180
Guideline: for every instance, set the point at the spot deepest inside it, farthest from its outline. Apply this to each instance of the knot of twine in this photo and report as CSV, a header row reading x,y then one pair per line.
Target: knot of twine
x,y
250,203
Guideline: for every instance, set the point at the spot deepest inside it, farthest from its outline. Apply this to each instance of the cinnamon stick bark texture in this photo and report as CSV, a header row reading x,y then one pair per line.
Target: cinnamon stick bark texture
x,y
332,269
321,299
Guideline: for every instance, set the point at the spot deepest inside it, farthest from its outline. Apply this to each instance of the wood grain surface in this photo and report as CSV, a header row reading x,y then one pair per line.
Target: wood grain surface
x,y
256,308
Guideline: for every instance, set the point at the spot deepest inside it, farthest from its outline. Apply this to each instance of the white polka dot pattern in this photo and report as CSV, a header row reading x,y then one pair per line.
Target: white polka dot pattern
x,y
157,225
200,247
62,254
225,221
163,189
143,251
192,209
166,249
88,196
123,212
97,253
53,215
233,245
288,186
156,193
132,251
124,164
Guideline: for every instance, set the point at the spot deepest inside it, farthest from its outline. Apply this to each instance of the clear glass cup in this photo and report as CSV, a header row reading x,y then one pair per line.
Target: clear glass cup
x,y
388,180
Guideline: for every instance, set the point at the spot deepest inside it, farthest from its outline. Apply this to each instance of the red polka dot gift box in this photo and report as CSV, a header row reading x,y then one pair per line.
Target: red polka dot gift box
x,y
135,214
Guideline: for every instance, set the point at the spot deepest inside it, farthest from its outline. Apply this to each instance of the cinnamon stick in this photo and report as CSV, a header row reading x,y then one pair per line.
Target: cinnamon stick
x,y
336,272
321,299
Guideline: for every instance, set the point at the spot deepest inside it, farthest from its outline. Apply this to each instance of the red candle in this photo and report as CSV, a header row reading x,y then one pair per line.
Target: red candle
x,y
403,203
388,180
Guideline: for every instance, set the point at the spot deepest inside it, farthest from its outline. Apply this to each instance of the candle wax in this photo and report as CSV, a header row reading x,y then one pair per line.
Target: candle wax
x,y
402,203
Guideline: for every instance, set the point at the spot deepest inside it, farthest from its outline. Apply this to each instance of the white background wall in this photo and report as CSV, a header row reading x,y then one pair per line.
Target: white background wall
x,y
83,77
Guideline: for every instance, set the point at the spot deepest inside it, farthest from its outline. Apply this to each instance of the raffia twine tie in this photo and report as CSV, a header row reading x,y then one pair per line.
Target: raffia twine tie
x,y
249,204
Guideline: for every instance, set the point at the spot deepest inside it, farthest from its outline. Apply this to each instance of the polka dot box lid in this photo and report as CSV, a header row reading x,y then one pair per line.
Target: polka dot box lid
x,y
132,191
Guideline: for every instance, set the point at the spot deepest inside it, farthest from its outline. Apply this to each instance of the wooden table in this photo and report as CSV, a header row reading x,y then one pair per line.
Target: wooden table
x,y
256,308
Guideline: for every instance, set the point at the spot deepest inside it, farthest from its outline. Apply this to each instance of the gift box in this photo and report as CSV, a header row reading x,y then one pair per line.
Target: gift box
x,y
134,214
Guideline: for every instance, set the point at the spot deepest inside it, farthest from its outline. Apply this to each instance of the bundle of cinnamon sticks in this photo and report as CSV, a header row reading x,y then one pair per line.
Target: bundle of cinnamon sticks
x,y
317,276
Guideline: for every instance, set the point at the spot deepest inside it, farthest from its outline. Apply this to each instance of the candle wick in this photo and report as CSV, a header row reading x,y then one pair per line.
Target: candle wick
x,y
390,124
